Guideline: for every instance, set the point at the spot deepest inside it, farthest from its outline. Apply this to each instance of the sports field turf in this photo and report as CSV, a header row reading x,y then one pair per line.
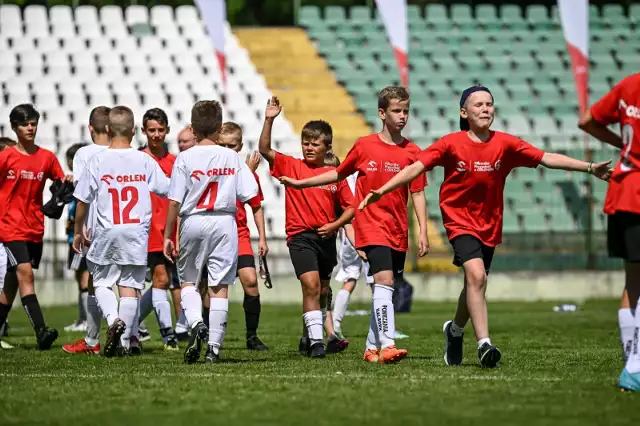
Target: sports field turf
x,y
558,368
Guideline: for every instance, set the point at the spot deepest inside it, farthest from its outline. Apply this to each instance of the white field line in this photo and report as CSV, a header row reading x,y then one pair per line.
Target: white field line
x,y
334,376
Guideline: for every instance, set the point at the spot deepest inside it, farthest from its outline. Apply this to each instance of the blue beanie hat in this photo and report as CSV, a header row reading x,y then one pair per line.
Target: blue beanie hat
x,y
464,123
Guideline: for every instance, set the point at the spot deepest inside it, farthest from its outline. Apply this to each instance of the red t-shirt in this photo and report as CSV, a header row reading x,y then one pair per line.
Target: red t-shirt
x,y
384,223
310,208
471,196
244,236
160,206
22,179
622,105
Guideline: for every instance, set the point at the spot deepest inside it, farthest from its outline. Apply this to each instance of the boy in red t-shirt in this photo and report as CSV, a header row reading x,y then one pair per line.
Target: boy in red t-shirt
x,y
155,126
476,163
311,222
24,170
231,137
622,206
382,233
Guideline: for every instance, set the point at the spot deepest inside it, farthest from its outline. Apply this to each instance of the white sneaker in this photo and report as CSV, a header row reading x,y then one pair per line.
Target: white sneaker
x,y
77,326
5,345
400,335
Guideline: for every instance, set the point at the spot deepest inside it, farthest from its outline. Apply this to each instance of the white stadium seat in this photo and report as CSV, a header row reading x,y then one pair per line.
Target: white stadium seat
x,y
161,14
136,15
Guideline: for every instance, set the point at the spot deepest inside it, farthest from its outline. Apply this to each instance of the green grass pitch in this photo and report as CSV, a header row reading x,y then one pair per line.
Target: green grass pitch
x,y
557,368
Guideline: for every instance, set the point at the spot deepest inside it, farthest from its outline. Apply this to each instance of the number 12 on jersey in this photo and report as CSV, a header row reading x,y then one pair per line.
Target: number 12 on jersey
x,y
208,197
129,194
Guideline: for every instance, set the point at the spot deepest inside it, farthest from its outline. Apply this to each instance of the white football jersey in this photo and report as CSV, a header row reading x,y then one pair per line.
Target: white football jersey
x,y
209,178
80,162
119,182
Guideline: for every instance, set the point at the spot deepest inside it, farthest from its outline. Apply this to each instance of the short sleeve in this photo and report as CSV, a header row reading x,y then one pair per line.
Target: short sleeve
x,y
158,182
345,196
523,154
350,164
87,186
247,185
281,165
606,110
179,181
255,202
434,155
56,171
419,183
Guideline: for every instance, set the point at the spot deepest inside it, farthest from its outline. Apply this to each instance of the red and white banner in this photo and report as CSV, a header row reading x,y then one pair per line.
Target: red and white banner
x,y
214,14
394,17
574,15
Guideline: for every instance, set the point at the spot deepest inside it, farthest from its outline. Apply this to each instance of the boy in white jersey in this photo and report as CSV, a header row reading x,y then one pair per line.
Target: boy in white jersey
x,y
98,121
206,181
118,182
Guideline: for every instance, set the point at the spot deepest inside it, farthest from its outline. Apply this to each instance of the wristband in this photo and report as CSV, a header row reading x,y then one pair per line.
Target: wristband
x,y
589,167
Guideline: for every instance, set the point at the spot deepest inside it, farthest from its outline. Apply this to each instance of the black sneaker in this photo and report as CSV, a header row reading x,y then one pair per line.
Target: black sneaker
x,y
317,350
46,337
489,355
123,352
182,337
211,357
453,345
199,334
255,344
171,345
144,334
113,337
303,346
337,345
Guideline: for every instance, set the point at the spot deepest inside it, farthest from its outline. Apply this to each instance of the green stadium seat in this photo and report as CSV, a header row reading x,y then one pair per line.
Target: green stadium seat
x,y
436,14
461,14
511,16
486,14
634,13
309,16
334,15
510,223
537,13
360,15
414,13
613,14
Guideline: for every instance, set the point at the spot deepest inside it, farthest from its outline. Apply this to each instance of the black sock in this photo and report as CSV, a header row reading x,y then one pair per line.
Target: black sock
x,y
252,309
4,313
34,313
205,316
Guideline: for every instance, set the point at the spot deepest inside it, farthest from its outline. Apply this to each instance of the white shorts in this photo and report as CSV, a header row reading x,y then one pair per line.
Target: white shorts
x,y
131,276
351,266
3,266
208,242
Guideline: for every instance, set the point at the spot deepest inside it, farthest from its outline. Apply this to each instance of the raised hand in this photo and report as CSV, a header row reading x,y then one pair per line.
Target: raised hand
x,y
273,108
601,170
253,161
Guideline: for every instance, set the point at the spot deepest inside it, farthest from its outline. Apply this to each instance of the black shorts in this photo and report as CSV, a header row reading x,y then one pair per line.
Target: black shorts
x,y
156,258
623,236
246,261
309,252
71,255
383,258
467,247
23,252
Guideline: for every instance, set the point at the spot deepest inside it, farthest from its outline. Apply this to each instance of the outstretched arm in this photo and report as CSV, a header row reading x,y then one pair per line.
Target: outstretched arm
x,y
559,161
326,178
264,145
403,178
599,131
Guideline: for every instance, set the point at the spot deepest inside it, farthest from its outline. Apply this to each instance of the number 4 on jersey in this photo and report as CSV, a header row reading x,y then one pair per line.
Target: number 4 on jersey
x,y
130,194
208,197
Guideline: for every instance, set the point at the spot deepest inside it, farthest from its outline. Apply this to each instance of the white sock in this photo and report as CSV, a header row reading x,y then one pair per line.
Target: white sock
x,y
128,308
314,324
82,305
94,320
633,362
456,330
340,308
146,304
385,314
181,323
108,304
372,337
626,321
191,305
218,314
163,312
483,341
